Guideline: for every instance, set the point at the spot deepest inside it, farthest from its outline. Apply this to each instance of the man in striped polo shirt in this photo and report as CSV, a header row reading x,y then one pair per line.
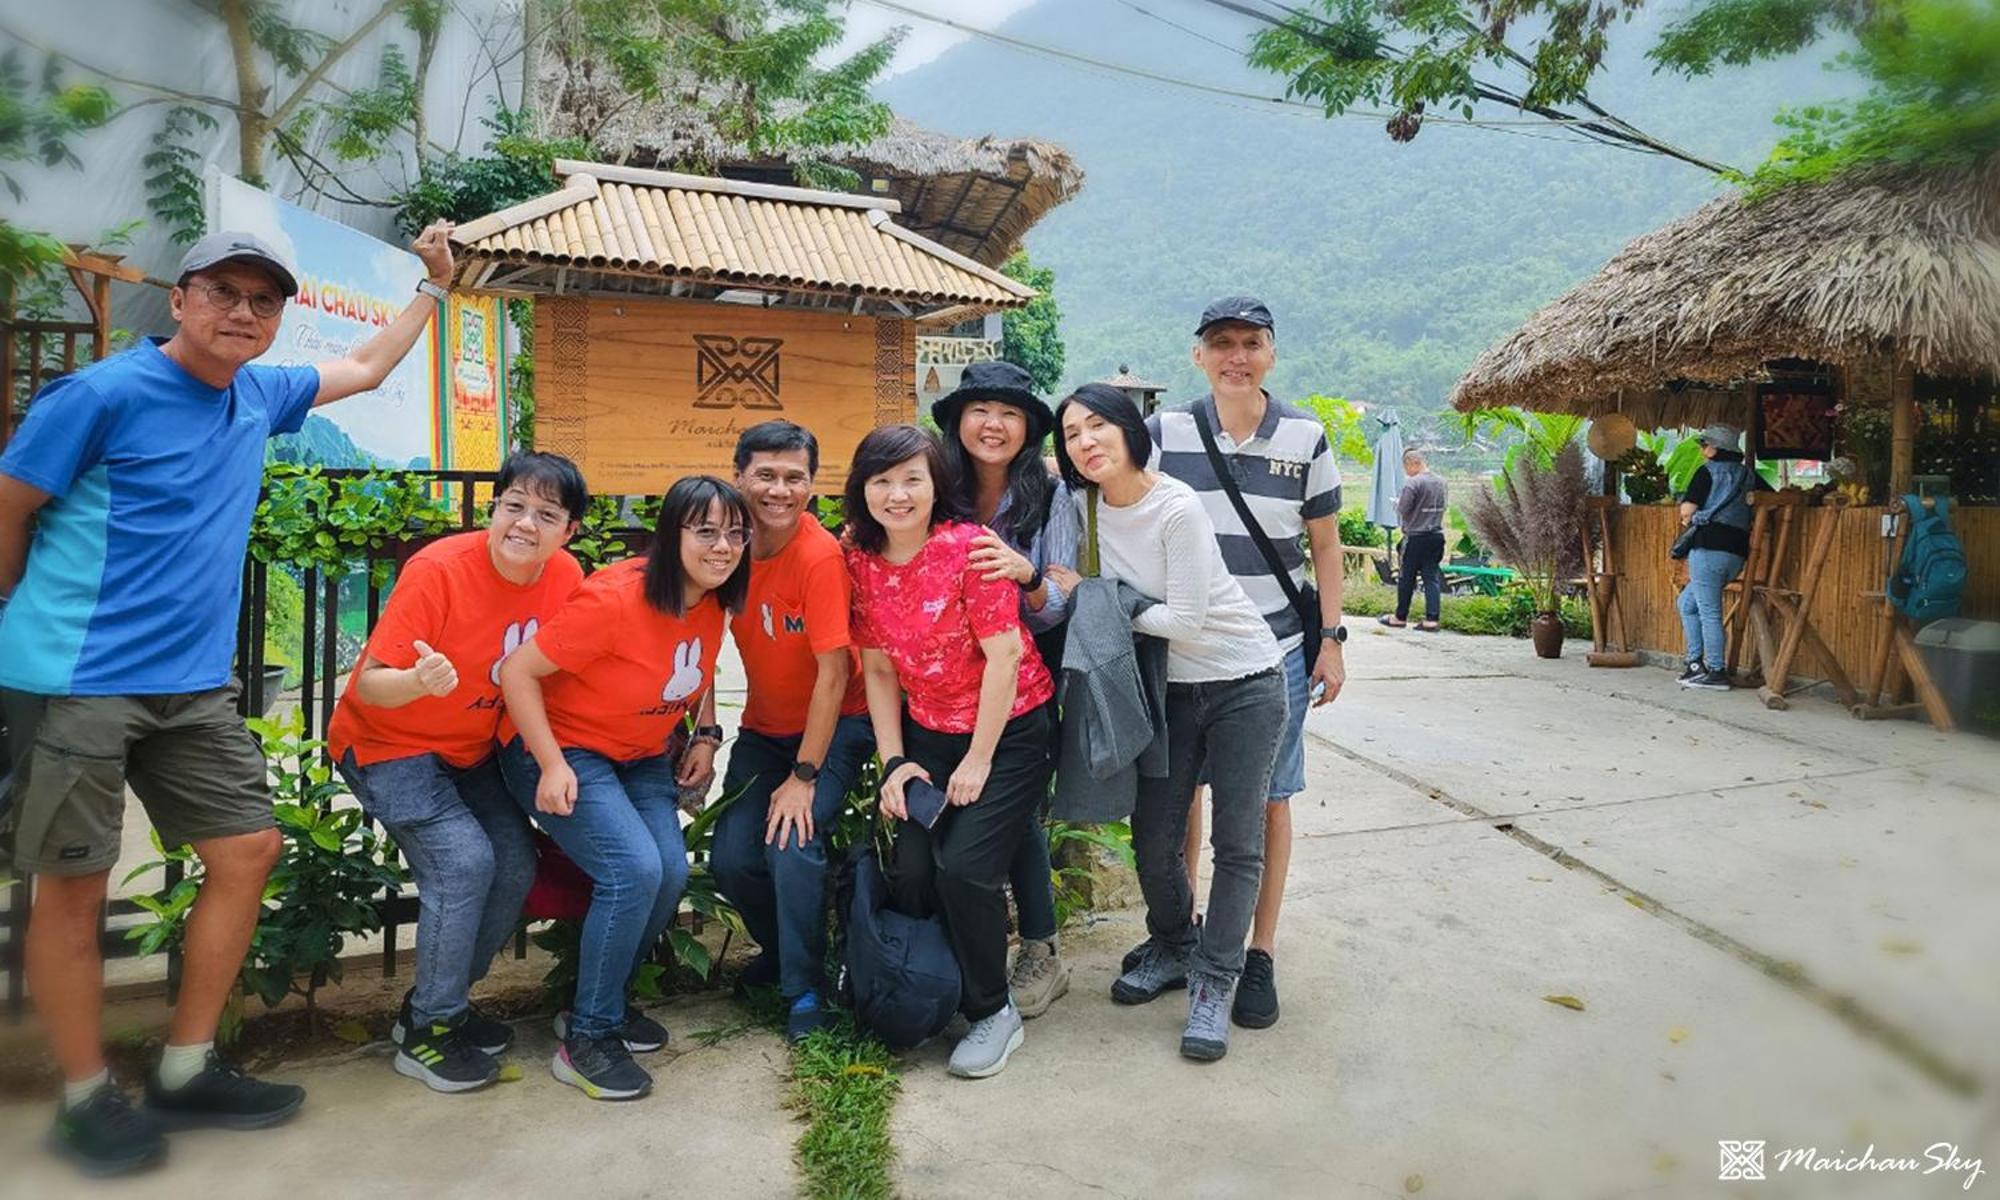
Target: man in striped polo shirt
x,y
1285,470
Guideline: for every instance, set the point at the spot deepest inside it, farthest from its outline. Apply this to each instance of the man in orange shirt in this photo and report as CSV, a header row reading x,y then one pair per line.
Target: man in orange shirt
x,y
805,727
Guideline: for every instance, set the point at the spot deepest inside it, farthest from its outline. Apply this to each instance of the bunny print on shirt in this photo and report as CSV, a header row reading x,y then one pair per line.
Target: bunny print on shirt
x,y
686,678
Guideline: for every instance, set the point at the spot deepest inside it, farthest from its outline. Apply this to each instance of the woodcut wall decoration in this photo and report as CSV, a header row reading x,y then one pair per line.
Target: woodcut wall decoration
x,y
640,392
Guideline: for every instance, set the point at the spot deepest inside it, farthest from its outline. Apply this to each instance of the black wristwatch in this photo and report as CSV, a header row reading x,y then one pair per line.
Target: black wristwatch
x,y
1034,581
805,772
707,733
1336,632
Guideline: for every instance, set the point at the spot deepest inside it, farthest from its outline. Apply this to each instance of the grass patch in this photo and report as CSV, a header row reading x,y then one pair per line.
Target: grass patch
x,y
1505,615
844,1086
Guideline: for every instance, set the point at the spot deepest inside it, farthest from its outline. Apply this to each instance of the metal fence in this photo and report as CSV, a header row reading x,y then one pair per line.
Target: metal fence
x,y
319,664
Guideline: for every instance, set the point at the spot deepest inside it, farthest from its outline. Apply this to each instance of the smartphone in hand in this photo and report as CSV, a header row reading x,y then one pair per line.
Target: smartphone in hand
x,y
925,801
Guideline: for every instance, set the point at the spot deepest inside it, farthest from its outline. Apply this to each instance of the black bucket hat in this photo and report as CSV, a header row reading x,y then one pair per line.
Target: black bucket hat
x,y
1002,381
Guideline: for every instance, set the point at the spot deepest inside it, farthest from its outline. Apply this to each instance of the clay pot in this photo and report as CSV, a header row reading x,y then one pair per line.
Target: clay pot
x,y
1547,630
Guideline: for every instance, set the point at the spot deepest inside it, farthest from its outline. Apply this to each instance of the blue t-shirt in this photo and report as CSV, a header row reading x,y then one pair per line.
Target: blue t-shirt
x,y
135,571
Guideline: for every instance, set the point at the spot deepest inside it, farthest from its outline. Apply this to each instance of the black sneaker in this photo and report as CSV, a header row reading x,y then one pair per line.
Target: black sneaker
x,y
105,1135
1138,952
222,1097
1256,993
1691,671
601,1068
760,972
482,1032
640,1033
1710,681
443,1058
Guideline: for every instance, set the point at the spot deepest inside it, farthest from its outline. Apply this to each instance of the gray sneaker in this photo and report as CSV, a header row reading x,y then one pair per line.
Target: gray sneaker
x,y
1039,977
1206,1037
984,1050
1161,968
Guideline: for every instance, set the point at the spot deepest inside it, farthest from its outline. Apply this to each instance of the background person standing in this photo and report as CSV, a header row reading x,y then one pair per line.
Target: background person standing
x,y
1420,508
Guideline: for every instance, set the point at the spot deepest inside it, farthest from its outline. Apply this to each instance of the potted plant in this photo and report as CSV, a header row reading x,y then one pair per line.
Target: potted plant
x,y
1531,521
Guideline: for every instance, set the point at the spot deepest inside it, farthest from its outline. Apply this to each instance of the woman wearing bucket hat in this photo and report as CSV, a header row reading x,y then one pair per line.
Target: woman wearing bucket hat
x,y
1717,505
994,428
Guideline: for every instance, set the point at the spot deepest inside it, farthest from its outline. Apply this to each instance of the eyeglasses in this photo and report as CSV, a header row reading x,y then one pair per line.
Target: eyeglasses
x,y
225,297
706,536
511,511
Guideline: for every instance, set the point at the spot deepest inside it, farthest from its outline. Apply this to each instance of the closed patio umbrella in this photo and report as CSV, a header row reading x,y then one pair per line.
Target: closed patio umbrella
x,y
1387,482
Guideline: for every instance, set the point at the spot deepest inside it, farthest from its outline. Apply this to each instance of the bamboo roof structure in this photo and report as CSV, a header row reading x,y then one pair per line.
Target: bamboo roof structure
x,y
627,231
1894,264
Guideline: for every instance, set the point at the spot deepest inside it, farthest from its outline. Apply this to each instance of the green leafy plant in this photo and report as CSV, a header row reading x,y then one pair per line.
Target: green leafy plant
x,y
307,519
1345,424
1642,474
1071,848
38,119
1357,530
174,191
1031,336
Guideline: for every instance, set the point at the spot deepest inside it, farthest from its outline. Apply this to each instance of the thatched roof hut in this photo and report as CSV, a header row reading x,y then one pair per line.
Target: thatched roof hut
x,y
1894,267
976,196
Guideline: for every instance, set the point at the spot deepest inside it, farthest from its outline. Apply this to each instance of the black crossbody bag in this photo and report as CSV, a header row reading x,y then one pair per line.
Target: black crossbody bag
x,y
1304,601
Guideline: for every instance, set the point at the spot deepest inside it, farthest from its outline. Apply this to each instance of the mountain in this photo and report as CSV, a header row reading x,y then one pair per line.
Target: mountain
x,y
1389,267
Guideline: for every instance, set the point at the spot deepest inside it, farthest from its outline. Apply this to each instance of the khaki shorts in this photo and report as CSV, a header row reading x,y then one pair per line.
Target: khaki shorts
x,y
187,757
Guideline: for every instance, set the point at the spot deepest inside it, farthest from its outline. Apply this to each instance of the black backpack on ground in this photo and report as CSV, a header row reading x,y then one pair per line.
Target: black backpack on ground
x,y
901,979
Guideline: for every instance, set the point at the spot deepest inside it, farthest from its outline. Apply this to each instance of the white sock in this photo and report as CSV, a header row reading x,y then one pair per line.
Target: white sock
x,y
76,1093
180,1064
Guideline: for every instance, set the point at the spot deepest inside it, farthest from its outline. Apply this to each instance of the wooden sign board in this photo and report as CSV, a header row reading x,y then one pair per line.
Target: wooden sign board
x,y
640,392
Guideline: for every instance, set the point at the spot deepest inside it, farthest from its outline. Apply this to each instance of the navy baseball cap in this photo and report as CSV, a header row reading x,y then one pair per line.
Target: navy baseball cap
x,y
1245,310
232,245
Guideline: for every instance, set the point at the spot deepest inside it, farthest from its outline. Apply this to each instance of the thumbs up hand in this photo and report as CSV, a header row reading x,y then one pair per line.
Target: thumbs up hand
x,y
434,672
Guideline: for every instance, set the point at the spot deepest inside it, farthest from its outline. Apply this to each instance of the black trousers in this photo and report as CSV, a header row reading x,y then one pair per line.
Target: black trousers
x,y
959,866
1422,552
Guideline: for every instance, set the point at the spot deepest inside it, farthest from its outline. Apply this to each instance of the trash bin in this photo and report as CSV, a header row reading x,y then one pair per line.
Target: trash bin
x,y
1963,656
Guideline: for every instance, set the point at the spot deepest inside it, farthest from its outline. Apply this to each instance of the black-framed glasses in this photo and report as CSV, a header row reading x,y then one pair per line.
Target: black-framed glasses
x,y
706,536
225,297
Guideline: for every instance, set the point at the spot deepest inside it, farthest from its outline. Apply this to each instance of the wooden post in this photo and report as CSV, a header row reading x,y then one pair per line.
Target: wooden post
x,y
1902,431
1777,670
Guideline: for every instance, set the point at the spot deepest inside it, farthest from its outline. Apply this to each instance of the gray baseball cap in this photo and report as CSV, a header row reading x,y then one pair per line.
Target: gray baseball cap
x,y
231,245
1722,437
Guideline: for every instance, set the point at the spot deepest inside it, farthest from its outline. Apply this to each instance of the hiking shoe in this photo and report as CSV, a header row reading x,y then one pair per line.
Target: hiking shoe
x,y
640,1033
1693,670
1710,681
1133,955
1039,977
105,1135
1159,970
441,1056
482,1032
1256,993
760,972
222,1097
807,1014
985,1048
1206,1037
601,1068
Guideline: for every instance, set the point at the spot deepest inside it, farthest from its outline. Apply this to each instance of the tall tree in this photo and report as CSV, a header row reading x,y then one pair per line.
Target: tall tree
x,y
1031,336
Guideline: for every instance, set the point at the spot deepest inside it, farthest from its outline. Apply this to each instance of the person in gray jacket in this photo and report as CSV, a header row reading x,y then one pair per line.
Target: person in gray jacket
x,y
1223,684
1420,510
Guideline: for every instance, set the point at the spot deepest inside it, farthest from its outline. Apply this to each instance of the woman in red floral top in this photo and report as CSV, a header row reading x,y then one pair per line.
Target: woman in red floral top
x,y
955,685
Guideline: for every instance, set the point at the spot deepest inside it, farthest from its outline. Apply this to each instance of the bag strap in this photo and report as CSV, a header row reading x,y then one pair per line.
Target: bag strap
x,y
1090,567
1227,479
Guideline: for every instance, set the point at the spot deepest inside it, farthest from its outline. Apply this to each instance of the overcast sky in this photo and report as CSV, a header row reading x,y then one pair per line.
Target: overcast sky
x,y
927,39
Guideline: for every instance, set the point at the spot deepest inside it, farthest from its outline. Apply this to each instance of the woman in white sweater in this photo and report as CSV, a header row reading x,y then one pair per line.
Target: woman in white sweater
x,y
1225,706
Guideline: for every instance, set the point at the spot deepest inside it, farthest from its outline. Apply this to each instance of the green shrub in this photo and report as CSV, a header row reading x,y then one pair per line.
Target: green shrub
x,y
1355,529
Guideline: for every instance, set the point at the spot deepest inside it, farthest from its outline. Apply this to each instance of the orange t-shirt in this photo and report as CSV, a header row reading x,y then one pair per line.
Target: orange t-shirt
x,y
629,672
450,596
797,608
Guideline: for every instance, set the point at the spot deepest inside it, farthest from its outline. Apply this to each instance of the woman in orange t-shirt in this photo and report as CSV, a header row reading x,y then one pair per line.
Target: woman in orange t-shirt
x,y
413,737
592,747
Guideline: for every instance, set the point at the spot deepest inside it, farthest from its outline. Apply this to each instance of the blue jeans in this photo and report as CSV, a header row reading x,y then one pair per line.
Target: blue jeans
x,y
625,833
1701,605
780,890
472,856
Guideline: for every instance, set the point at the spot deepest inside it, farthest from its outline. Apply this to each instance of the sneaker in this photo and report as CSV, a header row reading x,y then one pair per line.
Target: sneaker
x,y
1206,1037
1256,993
760,972
482,1032
105,1135
640,1033
1710,680
1133,956
1159,970
1039,977
443,1058
985,1048
601,1068
1689,672
807,1014
222,1097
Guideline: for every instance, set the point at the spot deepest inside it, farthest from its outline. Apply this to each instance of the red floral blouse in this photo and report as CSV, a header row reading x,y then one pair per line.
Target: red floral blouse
x,y
928,615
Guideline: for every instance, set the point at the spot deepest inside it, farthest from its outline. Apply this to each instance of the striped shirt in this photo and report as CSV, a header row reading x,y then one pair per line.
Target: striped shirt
x,y
1287,474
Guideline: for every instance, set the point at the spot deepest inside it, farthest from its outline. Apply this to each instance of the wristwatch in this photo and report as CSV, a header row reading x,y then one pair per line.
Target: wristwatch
x,y
427,288
1034,581
708,733
1337,633
805,772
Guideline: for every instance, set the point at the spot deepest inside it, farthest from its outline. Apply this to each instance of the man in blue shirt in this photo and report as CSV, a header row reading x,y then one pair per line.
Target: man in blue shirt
x,y
125,505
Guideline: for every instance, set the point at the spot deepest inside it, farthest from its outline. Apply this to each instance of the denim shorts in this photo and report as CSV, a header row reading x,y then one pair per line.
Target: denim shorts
x,y
1288,774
